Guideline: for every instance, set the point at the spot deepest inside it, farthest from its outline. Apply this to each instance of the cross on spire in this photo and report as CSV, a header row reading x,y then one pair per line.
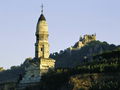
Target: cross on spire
x,y
42,8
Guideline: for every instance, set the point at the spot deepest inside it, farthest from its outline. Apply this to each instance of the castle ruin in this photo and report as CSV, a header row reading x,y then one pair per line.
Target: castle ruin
x,y
83,41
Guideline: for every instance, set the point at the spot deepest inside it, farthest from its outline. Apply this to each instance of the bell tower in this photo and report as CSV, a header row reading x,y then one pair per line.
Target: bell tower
x,y
42,45
41,63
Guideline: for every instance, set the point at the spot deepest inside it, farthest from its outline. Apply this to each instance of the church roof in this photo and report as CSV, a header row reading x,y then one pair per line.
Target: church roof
x,y
42,17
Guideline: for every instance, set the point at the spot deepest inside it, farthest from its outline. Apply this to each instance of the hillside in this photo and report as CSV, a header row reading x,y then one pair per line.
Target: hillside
x,y
12,75
101,74
72,58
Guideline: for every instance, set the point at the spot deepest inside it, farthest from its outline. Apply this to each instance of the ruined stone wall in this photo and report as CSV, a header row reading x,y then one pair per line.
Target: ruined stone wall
x,y
83,41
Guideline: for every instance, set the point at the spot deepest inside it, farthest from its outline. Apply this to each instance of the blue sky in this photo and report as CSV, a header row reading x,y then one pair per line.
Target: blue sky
x,y
67,20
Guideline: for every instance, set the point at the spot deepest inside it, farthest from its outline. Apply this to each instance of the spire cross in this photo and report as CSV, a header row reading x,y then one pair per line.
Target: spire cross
x,y
42,8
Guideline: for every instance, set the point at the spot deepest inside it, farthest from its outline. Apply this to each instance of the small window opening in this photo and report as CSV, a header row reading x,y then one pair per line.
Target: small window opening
x,y
41,49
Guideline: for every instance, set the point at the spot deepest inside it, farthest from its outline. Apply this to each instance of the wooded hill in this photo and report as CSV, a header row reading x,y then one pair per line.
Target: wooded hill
x,y
66,58
102,73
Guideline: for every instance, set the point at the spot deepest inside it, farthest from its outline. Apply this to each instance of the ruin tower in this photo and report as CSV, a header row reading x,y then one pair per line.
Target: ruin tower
x,y
42,45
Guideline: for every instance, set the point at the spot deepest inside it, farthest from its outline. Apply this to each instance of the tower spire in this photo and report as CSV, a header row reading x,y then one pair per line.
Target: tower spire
x,y
42,8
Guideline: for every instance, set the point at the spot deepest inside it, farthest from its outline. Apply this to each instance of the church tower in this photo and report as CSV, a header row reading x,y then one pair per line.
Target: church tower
x,y
42,45
41,63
